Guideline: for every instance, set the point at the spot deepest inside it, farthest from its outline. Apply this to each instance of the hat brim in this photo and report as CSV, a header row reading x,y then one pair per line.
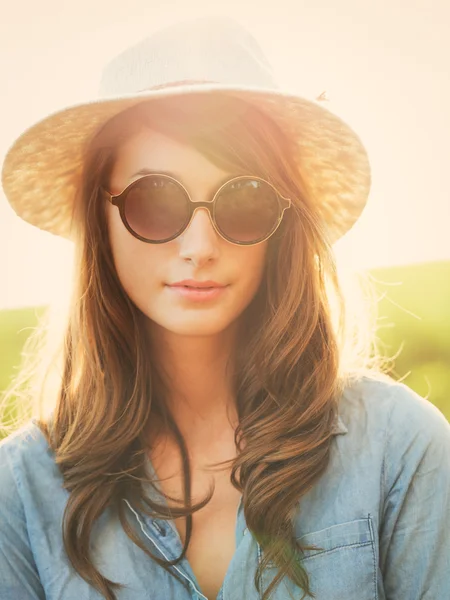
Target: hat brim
x,y
40,171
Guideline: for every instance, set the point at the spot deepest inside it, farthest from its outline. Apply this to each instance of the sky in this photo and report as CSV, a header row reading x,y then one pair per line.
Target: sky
x,y
384,66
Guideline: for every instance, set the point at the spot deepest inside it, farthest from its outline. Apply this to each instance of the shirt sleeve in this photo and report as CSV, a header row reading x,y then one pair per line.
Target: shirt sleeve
x,y
19,578
415,525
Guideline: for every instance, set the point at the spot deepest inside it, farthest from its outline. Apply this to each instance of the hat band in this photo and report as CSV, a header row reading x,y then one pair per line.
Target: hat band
x,y
181,82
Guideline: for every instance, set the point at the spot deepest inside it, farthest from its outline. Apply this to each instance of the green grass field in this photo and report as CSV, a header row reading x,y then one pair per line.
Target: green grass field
x,y
15,326
414,317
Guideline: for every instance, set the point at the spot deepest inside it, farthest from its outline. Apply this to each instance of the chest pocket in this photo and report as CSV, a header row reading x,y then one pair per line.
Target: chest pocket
x,y
343,569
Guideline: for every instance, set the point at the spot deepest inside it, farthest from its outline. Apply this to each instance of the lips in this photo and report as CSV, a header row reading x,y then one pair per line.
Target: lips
x,y
197,285
189,293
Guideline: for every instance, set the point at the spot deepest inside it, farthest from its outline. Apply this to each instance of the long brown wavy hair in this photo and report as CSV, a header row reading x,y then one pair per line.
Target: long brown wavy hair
x,y
290,372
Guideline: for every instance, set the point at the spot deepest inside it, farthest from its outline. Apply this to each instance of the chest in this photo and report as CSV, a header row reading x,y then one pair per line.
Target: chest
x,y
213,538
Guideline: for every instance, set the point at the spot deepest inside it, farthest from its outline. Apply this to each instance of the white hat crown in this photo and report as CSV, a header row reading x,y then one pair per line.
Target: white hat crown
x,y
215,50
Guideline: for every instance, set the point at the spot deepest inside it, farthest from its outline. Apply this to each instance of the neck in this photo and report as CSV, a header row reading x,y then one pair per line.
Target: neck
x,y
198,375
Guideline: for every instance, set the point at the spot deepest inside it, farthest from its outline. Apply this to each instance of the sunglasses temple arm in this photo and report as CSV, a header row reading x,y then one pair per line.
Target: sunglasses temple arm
x,y
286,203
107,196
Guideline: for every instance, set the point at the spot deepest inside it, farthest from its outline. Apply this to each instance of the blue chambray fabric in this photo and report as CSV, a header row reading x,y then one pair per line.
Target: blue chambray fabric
x,y
380,514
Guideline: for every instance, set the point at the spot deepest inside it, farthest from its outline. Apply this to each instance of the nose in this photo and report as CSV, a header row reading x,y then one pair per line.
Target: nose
x,y
199,241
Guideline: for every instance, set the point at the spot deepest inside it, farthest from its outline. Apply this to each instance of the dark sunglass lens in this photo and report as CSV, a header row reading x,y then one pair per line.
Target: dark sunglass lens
x,y
156,208
247,210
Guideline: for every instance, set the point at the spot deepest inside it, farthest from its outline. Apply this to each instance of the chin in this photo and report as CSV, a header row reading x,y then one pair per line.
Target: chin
x,y
191,323
191,329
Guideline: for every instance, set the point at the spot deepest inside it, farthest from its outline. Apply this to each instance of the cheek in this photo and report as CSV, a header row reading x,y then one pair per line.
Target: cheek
x,y
253,262
134,261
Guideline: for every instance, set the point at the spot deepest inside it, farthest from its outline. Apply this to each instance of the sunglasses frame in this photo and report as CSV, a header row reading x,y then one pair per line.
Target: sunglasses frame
x,y
119,201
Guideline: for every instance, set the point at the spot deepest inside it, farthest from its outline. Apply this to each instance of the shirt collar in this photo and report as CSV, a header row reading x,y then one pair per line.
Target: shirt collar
x,y
339,426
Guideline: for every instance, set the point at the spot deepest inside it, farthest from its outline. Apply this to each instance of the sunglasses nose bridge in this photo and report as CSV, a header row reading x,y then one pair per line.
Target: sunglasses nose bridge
x,y
197,206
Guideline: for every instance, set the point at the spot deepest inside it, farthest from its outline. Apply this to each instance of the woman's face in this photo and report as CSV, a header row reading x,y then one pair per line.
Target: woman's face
x,y
147,271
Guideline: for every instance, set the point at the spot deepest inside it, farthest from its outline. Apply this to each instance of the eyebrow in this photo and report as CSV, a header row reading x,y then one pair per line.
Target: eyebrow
x,y
146,171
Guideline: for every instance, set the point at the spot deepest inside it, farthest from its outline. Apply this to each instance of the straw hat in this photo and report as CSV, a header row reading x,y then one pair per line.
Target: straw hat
x,y
209,55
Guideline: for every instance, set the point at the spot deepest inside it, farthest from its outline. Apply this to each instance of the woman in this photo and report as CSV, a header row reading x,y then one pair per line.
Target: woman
x,y
207,438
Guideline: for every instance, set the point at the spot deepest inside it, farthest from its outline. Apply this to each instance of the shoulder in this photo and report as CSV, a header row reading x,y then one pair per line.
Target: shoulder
x,y
380,402
411,433
24,455
27,439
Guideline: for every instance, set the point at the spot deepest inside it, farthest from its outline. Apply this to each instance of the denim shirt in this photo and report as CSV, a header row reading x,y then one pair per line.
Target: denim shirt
x,y
380,513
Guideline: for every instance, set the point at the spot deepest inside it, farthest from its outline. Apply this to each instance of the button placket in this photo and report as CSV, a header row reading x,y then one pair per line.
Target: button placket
x,y
163,552
158,527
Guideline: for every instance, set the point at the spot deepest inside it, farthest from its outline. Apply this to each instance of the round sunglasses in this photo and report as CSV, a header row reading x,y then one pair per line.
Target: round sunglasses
x,y
157,208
